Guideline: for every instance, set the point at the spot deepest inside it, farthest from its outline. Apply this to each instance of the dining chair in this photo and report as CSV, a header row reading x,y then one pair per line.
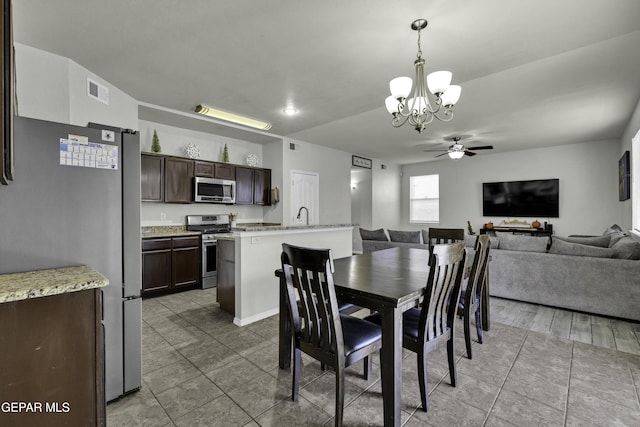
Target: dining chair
x,y
471,295
319,329
437,236
425,329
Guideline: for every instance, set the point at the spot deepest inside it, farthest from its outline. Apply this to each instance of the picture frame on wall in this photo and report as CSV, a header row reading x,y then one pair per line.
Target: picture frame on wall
x,y
624,177
361,162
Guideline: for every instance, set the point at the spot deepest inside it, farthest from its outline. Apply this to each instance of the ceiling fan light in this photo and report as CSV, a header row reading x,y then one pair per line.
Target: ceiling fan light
x,y
438,81
392,104
451,96
400,87
455,155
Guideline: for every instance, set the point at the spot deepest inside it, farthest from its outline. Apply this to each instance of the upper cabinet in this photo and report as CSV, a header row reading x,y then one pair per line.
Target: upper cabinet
x,y
169,179
253,186
152,178
178,174
215,170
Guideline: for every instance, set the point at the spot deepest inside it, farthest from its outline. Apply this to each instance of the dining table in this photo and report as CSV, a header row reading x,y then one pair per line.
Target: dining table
x,y
388,281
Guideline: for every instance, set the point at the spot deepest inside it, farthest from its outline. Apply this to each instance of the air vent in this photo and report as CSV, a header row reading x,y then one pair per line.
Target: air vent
x,y
97,91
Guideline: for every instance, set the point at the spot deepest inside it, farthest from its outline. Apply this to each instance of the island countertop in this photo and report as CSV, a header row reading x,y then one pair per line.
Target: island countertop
x,y
280,227
41,283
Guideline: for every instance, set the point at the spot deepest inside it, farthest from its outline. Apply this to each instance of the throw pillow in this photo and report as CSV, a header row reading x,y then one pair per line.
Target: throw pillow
x,y
627,248
562,247
404,236
519,242
374,235
613,229
600,241
615,237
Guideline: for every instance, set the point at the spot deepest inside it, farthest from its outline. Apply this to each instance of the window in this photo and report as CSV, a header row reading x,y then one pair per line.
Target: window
x,y
424,199
635,183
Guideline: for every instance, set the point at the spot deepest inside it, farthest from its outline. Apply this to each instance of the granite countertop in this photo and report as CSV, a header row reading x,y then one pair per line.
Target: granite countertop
x,y
276,227
41,283
167,231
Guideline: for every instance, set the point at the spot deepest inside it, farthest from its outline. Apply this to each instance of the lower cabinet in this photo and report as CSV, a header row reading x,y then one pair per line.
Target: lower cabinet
x,y
52,358
226,268
170,263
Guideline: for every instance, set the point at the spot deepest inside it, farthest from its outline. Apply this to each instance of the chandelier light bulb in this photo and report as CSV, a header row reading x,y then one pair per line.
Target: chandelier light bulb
x,y
451,96
400,87
438,82
392,104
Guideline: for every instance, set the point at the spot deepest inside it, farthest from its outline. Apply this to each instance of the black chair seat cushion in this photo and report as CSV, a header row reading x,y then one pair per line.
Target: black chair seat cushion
x,y
344,306
358,333
410,321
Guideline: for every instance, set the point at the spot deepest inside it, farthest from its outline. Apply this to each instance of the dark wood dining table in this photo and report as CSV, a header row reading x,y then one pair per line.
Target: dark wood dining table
x,y
389,281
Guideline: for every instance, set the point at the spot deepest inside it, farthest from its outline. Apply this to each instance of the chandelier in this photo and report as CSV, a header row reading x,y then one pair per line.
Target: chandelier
x,y
418,110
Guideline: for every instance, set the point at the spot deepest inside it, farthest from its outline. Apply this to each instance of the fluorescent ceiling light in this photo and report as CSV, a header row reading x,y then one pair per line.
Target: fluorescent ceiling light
x,y
230,117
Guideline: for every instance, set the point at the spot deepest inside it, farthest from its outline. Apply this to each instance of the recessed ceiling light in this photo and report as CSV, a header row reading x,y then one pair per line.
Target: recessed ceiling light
x,y
290,111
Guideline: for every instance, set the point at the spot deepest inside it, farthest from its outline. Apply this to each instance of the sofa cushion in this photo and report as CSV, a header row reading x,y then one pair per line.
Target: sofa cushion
x,y
627,248
404,236
600,241
562,247
374,235
470,241
519,242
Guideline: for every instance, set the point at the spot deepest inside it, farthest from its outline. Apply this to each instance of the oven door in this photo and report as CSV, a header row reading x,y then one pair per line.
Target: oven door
x,y
209,261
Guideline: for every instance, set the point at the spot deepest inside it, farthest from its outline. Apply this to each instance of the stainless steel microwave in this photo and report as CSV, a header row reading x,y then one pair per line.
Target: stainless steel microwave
x,y
211,190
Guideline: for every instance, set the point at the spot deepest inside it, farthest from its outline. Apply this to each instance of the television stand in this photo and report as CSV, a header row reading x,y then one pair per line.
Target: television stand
x,y
518,230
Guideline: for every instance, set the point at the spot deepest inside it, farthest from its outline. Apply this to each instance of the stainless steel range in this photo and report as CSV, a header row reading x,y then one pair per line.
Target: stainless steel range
x,y
210,226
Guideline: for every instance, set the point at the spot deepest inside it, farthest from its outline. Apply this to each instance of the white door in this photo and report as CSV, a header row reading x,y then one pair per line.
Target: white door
x,y
305,192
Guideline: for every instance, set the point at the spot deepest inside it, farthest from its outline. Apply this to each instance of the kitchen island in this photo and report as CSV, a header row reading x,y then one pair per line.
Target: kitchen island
x,y
256,255
52,347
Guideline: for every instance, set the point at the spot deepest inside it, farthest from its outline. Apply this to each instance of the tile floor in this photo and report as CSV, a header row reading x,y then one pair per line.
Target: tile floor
x,y
201,370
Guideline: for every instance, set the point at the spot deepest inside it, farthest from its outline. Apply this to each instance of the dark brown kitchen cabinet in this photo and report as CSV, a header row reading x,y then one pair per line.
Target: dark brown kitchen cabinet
x,y
226,268
214,170
156,264
186,261
170,263
178,174
152,177
53,355
244,186
225,171
204,169
253,186
262,187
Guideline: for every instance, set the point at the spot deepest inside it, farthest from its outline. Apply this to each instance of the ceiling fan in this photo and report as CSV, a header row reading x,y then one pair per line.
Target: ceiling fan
x,y
457,150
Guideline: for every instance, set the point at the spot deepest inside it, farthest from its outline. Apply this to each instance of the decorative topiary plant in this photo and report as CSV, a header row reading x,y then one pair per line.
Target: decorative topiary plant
x,y
470,228
225,154
155,143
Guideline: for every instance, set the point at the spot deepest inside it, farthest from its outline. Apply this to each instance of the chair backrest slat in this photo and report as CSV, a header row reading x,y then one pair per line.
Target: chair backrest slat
x,y
478,268
446,265
309,275
439,236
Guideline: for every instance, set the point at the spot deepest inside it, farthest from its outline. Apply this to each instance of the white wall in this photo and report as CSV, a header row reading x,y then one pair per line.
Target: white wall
x,y
588,176
173,141
625,144
361,203
334,169
54,88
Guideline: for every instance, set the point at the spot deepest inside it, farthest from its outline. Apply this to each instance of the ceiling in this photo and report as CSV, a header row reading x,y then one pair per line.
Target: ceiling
x,y
534,73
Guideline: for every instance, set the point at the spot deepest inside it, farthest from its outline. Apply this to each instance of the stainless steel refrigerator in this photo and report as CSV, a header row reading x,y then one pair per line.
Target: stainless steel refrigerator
x,y
75,200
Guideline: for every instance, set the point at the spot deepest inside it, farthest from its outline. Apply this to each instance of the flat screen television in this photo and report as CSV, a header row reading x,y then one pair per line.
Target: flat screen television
x,y
536,198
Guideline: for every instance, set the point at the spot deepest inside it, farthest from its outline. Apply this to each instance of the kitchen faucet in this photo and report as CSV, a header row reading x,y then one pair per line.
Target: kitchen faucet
x,y
299,212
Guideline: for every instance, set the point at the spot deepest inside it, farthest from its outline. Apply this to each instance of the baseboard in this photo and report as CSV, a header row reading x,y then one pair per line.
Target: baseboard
x,y
255,318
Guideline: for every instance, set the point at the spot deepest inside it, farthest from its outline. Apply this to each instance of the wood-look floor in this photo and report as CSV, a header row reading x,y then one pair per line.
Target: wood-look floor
x,y
590,329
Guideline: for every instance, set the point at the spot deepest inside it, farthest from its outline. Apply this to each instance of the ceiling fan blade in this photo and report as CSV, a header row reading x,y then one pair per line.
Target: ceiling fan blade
x,y
443,154
484,147
426,151
469,153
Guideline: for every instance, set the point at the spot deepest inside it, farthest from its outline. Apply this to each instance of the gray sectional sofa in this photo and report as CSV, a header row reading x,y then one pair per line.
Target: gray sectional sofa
x,y
596,274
